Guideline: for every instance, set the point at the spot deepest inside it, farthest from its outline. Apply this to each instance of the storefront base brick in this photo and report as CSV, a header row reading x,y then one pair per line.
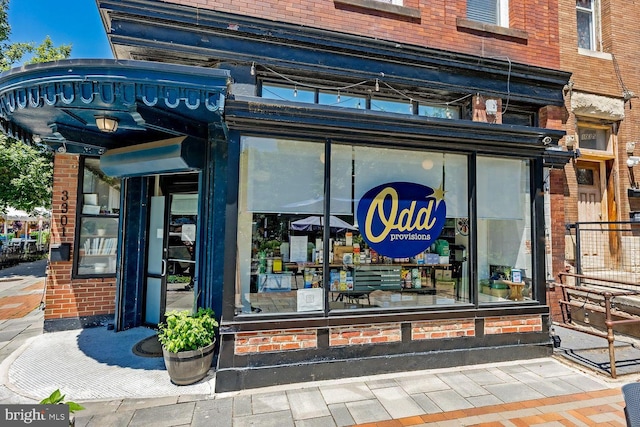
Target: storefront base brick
x,y
273,341
365,334
440,329
512,324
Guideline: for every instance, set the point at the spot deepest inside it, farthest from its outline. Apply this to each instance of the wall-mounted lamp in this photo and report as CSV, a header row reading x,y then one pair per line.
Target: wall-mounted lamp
x,y
107,124
570,141
633,161
630,147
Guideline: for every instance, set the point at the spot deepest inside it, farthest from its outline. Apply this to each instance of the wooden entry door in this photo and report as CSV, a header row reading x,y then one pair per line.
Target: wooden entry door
x,y
593,242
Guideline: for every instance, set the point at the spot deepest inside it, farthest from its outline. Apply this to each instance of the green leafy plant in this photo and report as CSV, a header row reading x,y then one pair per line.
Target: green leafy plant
x,y
177,278
183,331
57,398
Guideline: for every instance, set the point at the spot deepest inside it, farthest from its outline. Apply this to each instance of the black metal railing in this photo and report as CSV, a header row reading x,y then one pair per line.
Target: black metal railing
x,y
19,251
578,301
606,250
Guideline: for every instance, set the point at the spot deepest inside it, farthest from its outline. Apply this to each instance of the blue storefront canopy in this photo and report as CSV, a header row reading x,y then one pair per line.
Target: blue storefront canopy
x,y
59,103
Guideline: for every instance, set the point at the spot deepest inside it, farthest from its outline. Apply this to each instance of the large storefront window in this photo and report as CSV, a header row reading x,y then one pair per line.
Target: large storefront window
x,y
281,183
504,230
417,258
98,219
409,210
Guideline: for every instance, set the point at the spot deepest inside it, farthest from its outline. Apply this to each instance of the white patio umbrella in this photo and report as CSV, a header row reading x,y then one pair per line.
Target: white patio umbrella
x,y
12,214
315,222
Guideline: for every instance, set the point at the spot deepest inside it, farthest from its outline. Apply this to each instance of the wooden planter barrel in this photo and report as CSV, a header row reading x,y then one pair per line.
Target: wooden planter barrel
x,y
188,367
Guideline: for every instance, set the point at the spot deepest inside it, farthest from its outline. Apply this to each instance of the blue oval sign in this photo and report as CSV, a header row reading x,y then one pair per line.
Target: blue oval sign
x,y
401,219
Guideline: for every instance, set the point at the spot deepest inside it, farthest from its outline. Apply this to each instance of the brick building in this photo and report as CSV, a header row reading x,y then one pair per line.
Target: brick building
x,y
201,168
600,183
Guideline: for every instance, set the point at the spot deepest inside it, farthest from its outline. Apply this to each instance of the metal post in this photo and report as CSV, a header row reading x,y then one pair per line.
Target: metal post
x,y
577,254
610,338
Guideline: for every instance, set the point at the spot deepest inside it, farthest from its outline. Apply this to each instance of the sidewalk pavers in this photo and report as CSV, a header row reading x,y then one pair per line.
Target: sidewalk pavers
x,y
97,368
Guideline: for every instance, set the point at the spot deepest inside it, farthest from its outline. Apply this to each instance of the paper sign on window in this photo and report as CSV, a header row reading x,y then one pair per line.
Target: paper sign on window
x,y
188,233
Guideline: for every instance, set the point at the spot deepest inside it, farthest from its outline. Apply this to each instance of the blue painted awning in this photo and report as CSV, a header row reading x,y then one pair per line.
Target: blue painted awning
x,y
180,154
57,102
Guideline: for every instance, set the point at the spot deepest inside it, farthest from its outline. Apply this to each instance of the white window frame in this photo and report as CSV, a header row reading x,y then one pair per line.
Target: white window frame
x,y
502,13
608,143
594,36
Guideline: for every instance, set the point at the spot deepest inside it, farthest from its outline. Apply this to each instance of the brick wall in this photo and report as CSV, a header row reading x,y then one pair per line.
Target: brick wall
x,y
512,324
277,340
365,334
606,73
356,335
591,73
437,329
437,26
67,297
555,118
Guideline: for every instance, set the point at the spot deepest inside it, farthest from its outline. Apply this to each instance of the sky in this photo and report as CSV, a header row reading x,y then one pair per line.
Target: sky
x,y
74,22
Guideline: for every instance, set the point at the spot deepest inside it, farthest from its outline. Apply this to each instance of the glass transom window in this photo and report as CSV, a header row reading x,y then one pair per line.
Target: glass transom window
x,y
592,138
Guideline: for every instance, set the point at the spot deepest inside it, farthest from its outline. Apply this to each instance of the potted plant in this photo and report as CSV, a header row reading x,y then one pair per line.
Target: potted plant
x,y
57,398
188,342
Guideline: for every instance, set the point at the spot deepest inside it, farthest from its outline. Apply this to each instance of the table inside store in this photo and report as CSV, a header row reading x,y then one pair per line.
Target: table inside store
x,y
515,289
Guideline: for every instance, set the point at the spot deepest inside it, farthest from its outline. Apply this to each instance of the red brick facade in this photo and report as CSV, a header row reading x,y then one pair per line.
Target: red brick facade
x,y
512,324
269,341
443,329
532,37
604,72
67,297
594,72
365,334
283,340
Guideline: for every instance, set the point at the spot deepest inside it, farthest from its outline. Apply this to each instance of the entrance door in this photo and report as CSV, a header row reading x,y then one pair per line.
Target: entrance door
x,y
171,280
593,241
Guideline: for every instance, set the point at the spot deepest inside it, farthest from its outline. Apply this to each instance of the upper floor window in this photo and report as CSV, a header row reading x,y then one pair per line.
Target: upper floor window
x,y
586,20
495,12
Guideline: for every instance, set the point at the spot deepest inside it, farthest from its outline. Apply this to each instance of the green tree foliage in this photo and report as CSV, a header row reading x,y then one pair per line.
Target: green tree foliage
x,y
26,173
14,52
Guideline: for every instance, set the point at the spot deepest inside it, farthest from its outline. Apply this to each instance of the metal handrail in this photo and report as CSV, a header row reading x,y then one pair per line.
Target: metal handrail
x,y
609,322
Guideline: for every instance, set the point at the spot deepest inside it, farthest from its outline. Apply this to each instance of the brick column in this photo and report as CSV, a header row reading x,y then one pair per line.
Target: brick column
x,y
553,117
71,303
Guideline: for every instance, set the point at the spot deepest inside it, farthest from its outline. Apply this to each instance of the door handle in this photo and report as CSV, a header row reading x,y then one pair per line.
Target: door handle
x,y
164,267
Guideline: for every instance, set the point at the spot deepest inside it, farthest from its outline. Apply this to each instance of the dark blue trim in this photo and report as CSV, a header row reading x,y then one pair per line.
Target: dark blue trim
x,y
169,156
230,178
134,252
214,229
57,102
183,33
311,120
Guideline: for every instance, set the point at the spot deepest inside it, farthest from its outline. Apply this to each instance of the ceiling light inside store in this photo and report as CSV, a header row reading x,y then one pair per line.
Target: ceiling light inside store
x,y
427,164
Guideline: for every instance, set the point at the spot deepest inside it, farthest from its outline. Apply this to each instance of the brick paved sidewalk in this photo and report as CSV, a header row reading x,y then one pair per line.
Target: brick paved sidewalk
x,y
595,408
